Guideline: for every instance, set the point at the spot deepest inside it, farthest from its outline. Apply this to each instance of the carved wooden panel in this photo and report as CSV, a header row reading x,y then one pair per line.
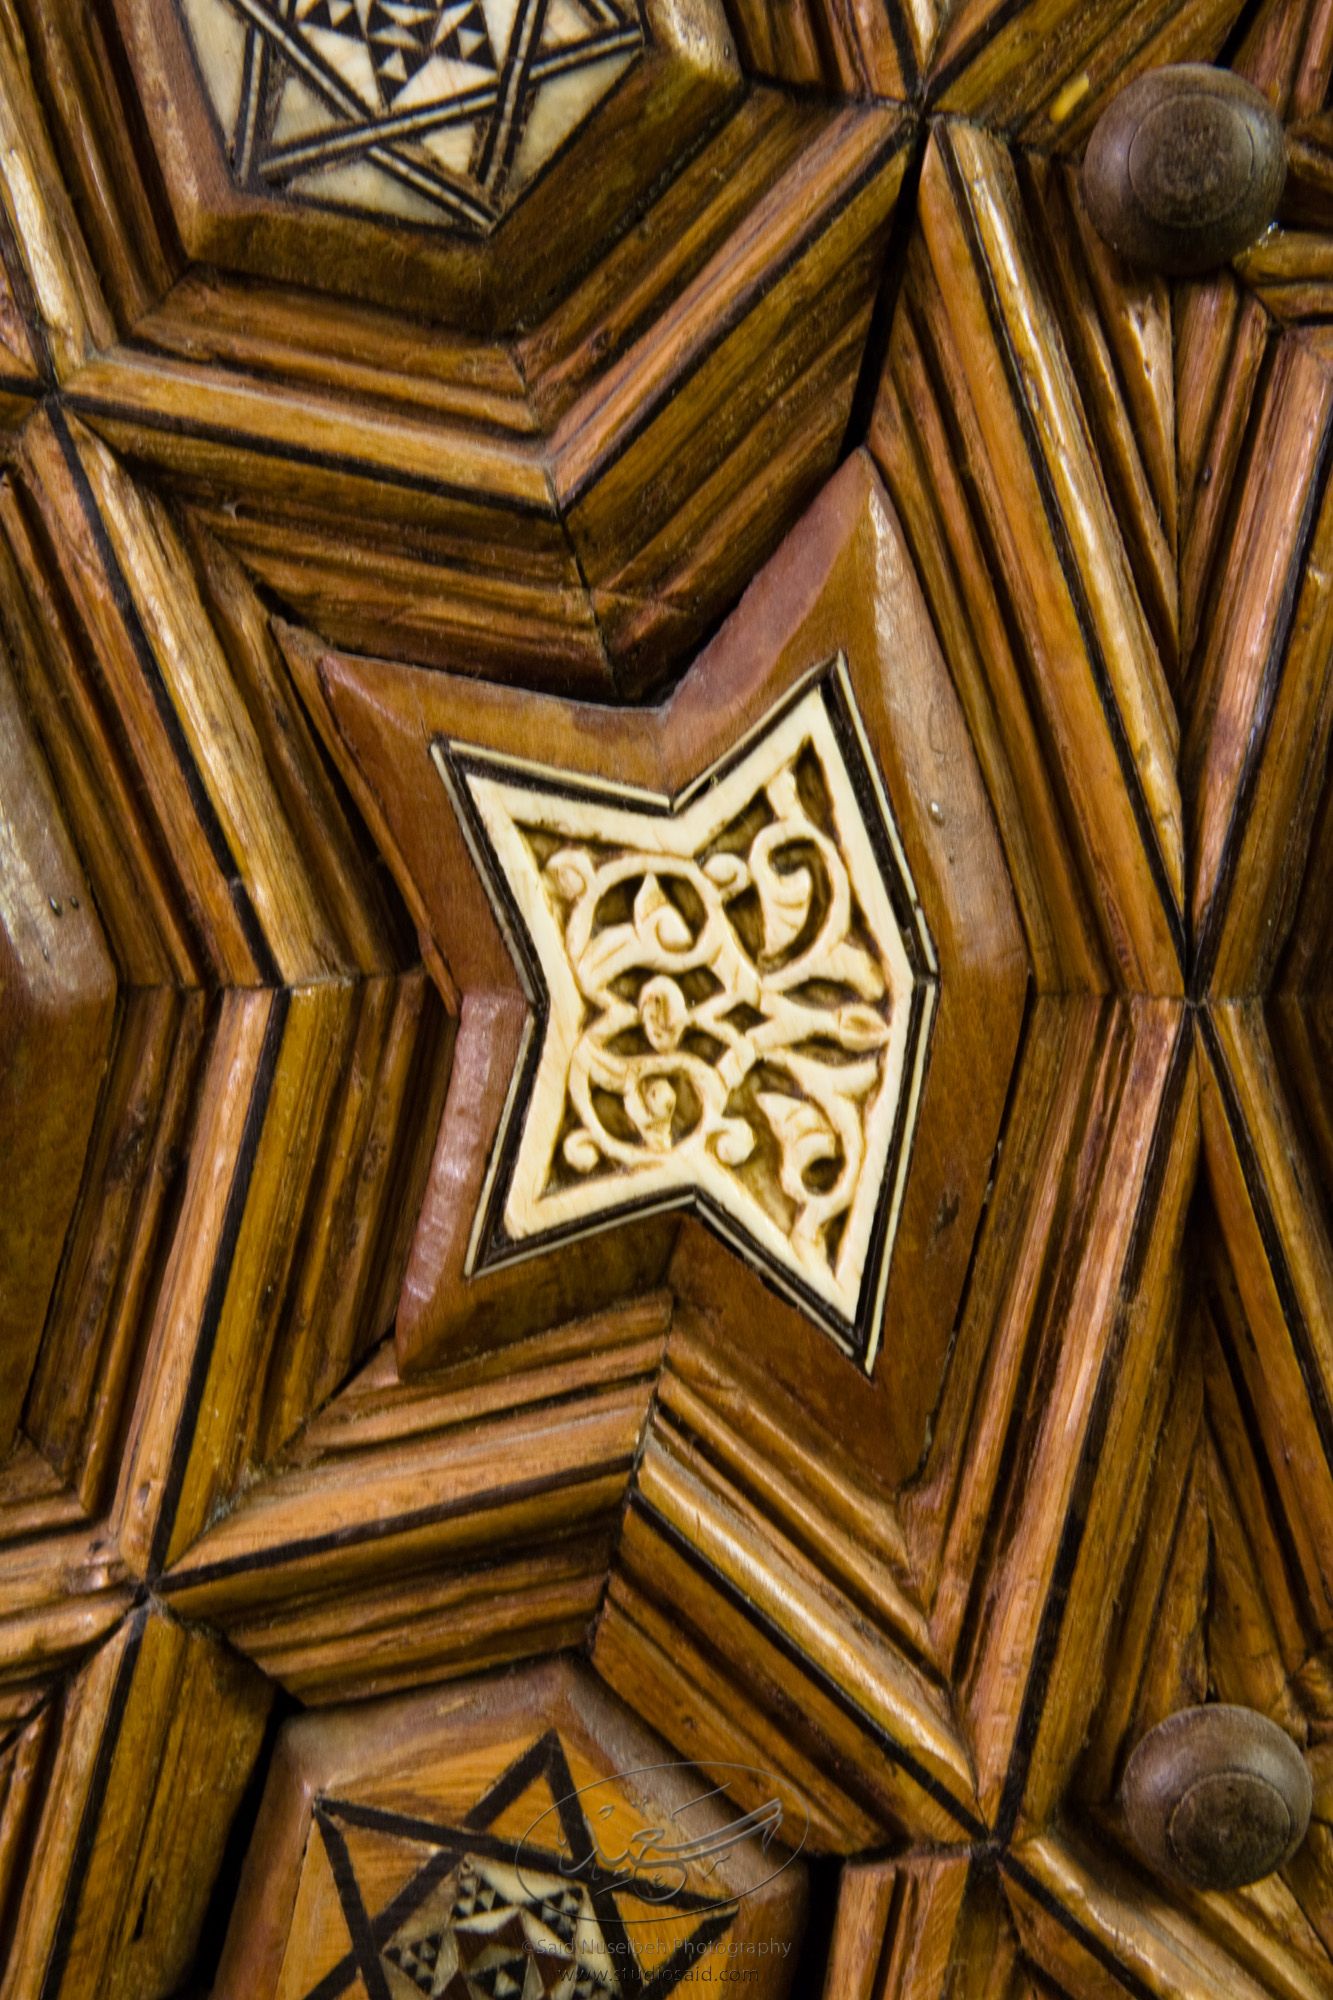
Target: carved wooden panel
x,y
665,1002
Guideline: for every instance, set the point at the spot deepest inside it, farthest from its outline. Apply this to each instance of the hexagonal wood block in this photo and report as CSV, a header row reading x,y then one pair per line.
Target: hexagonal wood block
x,y
512,1836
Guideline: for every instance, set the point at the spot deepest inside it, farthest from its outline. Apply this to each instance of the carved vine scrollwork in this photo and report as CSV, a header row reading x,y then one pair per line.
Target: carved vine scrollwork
x,y
734,1007
735,991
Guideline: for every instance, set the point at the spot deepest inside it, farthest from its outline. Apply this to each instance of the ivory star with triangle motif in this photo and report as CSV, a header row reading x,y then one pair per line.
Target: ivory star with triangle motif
x,y
431,110
482,1842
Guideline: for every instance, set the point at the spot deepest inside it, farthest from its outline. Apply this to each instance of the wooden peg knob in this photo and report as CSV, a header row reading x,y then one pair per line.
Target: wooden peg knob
x,y
1185,168
1217,1796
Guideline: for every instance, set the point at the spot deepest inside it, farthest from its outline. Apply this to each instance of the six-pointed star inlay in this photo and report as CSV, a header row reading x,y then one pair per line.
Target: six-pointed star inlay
x,y
481,1917
734,989
713,963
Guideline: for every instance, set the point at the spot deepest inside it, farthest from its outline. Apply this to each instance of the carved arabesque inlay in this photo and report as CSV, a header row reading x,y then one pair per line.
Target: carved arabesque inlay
x,y
690,1007
737,987
437,111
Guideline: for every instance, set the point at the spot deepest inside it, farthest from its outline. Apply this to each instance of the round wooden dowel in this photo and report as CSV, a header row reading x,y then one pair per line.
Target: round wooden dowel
x,y
1185,168
1217,1796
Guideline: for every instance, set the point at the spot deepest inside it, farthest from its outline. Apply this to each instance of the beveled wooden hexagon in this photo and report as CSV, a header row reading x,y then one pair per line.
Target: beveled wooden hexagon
x,y
471,1834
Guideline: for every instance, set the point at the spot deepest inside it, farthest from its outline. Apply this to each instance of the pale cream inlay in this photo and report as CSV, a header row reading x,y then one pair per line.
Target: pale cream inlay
x,y
437,111
728,998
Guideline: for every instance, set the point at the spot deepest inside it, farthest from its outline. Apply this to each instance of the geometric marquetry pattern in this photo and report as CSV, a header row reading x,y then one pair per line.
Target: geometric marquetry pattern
x,y
264,446
471,1923
438,1844
435,110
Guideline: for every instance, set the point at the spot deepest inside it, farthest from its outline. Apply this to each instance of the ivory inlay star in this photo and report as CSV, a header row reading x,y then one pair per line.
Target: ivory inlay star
x,y
733,993
433,110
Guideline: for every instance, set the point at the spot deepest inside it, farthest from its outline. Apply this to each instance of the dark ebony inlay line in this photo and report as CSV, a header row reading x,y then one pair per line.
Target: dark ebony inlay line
x,y
325,461
543,1761
983,36
910,1765
219,1278
1074,1527
366,1532
81,1857
722,327
218,845
353,1907
1257,1190
1069,567
1128,1979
